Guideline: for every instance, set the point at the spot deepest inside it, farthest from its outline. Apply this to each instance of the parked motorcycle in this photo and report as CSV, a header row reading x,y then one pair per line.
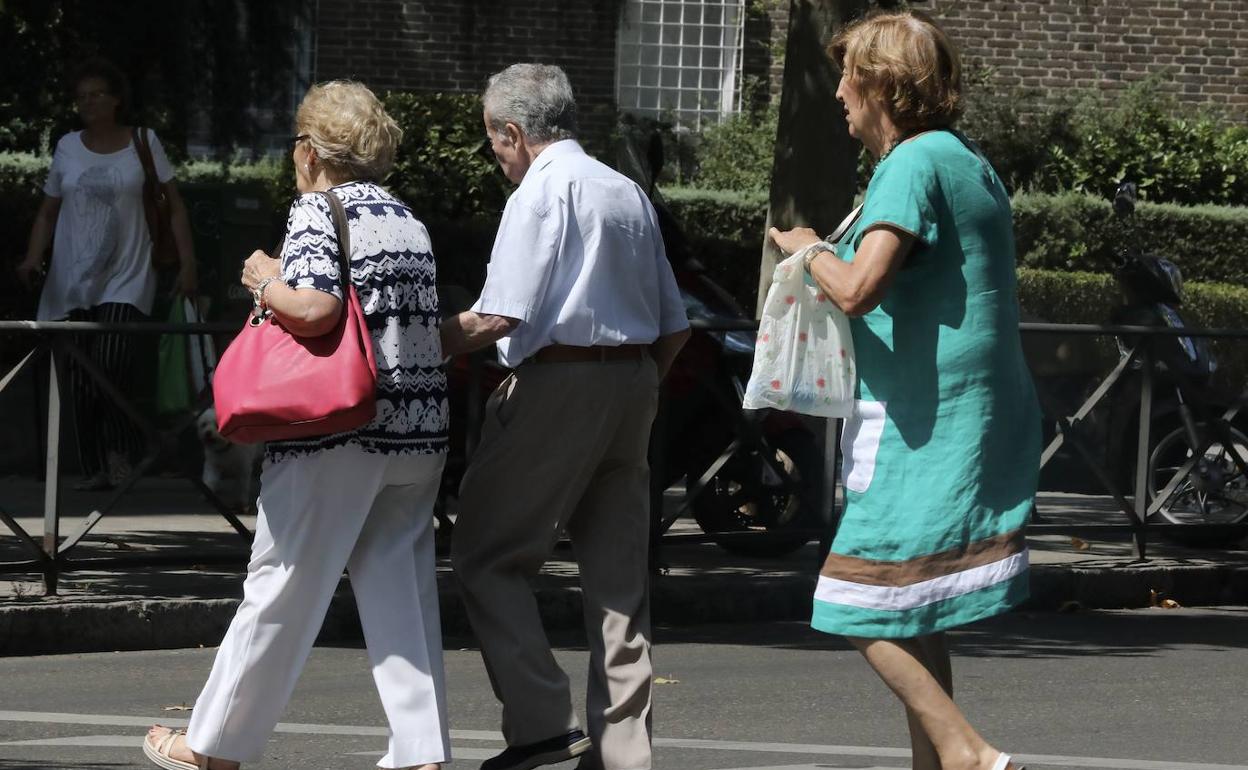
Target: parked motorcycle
x,y
1190,435
1198,447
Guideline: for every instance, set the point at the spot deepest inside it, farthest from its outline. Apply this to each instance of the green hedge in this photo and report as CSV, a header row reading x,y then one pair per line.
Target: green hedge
x,y
1080,232
720,214
1071,231
1080,297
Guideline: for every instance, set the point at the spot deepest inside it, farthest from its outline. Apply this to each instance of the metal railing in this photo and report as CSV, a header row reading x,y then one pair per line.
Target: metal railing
x,y
1138,511
50,555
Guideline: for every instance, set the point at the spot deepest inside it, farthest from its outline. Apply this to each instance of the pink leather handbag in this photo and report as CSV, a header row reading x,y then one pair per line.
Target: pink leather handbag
x,y
271,385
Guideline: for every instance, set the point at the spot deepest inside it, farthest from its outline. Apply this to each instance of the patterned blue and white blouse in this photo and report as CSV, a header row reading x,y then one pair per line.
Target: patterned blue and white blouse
x,y
394,274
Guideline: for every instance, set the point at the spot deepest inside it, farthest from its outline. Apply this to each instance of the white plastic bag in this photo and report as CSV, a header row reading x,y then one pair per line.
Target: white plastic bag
x,y
804,357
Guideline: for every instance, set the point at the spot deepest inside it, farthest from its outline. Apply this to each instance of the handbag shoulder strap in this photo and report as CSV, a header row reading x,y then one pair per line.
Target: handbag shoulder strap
x,y
144,149
845,224
343,232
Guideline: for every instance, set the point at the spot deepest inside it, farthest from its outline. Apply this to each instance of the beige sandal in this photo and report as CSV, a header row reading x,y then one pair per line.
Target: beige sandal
x,y
159,753
1006,762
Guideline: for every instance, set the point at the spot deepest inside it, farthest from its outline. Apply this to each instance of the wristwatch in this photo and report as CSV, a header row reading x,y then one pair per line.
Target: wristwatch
x,y
813,250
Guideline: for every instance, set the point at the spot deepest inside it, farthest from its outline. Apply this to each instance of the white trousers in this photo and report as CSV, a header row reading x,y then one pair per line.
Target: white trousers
x,y
370,513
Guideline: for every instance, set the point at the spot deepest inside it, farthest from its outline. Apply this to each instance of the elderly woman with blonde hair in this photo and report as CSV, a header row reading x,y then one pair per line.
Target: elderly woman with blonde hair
x,y
942,452
361,500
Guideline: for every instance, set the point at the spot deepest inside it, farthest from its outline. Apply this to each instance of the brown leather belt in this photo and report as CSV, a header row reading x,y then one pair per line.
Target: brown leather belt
x,y
568,354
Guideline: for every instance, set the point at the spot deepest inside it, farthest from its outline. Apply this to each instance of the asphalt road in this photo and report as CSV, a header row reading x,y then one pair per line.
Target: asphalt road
x,y
1135,690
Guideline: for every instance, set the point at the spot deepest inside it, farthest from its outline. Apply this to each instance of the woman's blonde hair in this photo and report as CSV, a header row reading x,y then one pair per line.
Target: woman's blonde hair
x,y
349,129
905,60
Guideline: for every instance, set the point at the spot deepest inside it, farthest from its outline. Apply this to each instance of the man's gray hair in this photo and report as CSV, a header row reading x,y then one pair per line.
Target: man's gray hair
x,y
536,97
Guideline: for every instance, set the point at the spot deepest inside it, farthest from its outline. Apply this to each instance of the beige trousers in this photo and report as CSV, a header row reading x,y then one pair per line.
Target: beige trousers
x,y
563,447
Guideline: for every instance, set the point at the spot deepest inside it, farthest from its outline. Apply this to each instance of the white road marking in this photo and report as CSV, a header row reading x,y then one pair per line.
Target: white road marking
x,y
784,748
282,727
94,741
816,767
1094,763
457,753
136,742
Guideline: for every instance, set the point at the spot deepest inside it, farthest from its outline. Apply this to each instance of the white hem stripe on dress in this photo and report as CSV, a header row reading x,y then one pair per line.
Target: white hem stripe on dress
x,y
835,591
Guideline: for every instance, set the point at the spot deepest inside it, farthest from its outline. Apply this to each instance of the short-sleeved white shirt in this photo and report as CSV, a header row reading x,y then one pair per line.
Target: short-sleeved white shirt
x,y
102,251
579,260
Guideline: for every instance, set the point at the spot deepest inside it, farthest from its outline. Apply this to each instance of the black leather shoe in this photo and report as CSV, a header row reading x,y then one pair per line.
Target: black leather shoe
x,y
558,749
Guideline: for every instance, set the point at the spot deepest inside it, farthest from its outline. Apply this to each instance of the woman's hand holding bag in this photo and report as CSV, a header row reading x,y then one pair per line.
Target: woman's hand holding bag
x,y
271,385
804,354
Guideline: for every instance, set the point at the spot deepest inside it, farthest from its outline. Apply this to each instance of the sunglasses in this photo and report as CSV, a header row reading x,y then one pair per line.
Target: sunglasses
x,y
299,138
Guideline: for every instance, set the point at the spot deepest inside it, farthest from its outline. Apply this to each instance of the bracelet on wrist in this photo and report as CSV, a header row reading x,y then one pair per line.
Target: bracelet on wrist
x,y
259,292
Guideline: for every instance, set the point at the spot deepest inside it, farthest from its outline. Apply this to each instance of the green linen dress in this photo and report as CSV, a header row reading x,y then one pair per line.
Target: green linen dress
x,y
942,453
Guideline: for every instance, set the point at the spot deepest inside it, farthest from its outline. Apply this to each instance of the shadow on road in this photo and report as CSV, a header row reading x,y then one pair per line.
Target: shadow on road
x,y
1120,633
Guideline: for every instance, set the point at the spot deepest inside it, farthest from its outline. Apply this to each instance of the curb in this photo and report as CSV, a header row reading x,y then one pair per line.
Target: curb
x,y
73,627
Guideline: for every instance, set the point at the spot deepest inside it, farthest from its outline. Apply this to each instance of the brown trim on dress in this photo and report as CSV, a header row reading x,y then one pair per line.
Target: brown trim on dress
x,y
911,571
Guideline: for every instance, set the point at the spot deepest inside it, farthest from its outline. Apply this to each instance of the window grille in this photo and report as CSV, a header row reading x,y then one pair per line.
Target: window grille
x,y
680,59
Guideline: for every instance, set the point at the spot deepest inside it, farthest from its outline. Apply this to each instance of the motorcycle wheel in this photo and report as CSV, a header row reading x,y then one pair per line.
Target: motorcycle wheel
x,y
749,505
1213,493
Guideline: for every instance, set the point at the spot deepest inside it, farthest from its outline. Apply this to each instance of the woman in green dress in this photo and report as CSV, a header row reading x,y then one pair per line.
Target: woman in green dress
x,y
942,453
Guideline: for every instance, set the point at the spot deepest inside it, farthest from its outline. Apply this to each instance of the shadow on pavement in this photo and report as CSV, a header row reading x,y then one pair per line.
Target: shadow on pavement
x,y
1119,633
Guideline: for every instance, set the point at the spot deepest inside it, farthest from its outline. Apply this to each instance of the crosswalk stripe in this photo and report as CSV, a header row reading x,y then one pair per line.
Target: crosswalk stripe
x,y
457,753
282,727
93,741
813,767
136,741
1092,763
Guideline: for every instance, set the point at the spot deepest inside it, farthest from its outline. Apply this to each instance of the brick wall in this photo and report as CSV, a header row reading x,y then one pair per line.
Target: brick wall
x,y
1056,45
454,45
1047,45
762,61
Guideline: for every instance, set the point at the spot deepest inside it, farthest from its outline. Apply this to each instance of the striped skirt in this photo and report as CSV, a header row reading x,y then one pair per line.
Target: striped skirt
x,y
922,595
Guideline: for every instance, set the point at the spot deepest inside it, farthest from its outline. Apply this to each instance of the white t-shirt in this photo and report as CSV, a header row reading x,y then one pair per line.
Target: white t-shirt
x,y
102,251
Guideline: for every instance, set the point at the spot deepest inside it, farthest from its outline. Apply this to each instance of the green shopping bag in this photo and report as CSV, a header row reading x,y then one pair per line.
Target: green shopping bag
x,y
173,386
184,362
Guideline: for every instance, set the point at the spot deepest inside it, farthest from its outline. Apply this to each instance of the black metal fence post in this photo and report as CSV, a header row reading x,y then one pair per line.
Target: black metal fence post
x,y
1142,449
52,482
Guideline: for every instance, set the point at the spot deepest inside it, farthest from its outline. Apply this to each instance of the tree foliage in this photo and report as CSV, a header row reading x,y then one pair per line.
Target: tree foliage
x,y
220,66
443,169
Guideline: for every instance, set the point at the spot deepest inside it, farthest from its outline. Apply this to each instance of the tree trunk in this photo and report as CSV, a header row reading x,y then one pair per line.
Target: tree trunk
x,y
814,176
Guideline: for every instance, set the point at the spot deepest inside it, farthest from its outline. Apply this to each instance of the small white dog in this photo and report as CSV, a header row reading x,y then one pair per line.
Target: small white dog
x,y
231,471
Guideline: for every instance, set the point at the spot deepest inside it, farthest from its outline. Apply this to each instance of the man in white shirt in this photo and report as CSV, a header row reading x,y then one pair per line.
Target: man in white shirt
x,y
582,304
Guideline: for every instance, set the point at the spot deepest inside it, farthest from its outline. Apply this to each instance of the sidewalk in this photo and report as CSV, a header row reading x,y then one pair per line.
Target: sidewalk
x,y
162,607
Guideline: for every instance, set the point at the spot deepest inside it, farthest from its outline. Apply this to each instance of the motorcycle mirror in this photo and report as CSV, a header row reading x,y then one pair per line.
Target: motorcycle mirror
x,y
1124,198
